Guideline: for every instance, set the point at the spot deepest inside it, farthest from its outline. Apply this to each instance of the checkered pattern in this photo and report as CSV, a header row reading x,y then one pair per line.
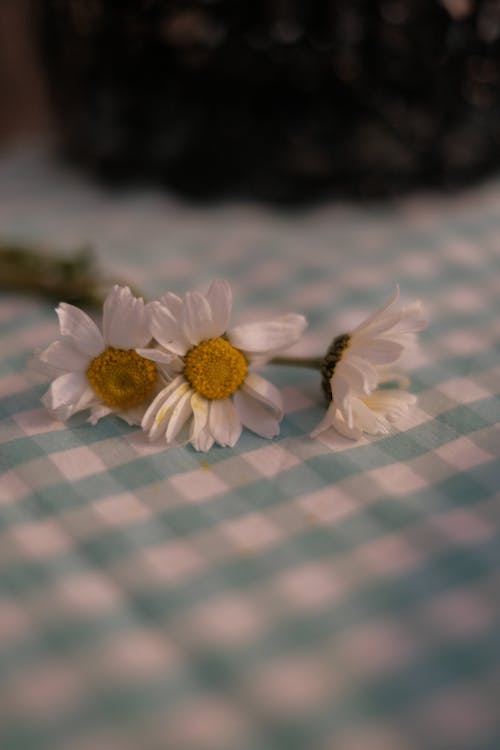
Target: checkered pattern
x,y
282,595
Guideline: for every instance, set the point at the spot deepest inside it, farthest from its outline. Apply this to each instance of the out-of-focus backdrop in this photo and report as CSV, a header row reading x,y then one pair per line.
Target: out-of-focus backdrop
x,y
277,99
24,106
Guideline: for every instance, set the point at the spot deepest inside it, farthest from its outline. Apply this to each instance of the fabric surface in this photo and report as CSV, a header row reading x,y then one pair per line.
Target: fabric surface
x,y
281,594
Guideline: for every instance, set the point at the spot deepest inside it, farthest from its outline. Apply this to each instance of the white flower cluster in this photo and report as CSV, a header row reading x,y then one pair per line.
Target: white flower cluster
x,y
176,367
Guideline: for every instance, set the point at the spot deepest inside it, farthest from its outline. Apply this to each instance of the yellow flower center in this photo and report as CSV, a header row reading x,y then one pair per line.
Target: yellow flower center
x,y
121,378
214,368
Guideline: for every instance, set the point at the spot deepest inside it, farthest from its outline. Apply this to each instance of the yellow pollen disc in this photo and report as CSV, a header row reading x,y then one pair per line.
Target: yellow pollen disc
x,y
121,378
214,368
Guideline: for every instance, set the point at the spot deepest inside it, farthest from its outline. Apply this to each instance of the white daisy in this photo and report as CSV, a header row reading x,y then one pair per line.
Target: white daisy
x,y
101,371
212,393
359,362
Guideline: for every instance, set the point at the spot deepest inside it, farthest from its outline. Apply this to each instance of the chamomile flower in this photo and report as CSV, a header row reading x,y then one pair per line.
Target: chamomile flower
x,y
101,371
212,392
357,363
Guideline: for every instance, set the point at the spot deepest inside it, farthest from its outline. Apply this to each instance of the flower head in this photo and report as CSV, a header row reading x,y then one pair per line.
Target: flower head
x,y
212,392
357,363
101,371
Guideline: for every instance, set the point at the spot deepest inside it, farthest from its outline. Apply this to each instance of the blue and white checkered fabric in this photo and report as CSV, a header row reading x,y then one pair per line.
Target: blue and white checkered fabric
x,y
279,595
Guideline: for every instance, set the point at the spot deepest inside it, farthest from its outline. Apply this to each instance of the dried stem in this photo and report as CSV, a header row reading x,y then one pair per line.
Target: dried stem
x,y
34,270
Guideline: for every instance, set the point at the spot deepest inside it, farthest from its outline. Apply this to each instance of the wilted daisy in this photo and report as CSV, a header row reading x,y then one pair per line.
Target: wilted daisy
x,y
212,391
101,371
357,363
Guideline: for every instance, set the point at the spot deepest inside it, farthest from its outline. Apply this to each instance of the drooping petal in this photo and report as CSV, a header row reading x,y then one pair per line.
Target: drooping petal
x,y
264,391
377,351
124,320
220,299
254,416
412,319
368,420
378,314
196,318
340,387
159,400
268,336
63,356
224,422
392,404
333,422
199,406
77,325
380,327
359,374
165,328
340,425
203,441
65,394
164,413
179,417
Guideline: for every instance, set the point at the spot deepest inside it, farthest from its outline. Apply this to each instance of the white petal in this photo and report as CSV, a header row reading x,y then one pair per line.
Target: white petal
x,y
332,423
157,355
87,398
63,356
380,326
377,351
377,314
341,426
76,324
124,321
196,318
255,416
182,437
340,388
179,417
220,299
203,441
199,406
162,396
367,420
164,413
166,329
368,371
360,375
68,394
173,303
36,367
412,319
264,391
392,404
267,336
224,422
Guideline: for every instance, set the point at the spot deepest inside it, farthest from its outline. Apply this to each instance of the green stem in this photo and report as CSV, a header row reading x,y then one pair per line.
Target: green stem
x,y
314,363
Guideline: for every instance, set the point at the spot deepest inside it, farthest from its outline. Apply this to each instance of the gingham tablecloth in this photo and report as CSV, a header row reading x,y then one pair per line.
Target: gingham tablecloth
x,y
280,595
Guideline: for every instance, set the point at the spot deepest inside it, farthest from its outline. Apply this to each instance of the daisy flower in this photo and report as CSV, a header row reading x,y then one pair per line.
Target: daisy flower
x,y
357,363
212,393
101,371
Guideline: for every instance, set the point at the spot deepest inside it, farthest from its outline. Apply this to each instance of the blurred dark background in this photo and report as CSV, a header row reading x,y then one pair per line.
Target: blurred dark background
x,y
271,99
